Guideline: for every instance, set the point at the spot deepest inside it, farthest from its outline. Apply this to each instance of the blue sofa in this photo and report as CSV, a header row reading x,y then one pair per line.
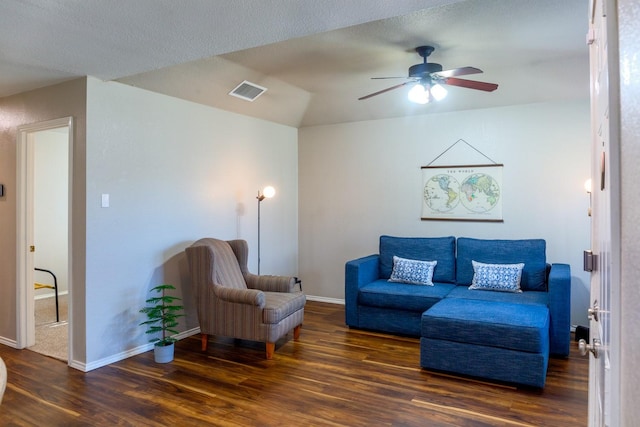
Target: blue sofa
x,y
503,336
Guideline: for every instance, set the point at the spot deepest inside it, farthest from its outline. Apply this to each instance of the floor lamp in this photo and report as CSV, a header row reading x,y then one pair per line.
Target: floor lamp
x,y
267,193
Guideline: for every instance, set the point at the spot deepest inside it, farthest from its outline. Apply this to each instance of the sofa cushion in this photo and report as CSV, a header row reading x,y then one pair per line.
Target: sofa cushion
x,y
531,252
519,327
496,277
385,294
280,305
441,249
412,271
526,297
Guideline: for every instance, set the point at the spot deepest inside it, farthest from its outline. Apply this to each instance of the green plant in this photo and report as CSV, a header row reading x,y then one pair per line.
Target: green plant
x,y
162,315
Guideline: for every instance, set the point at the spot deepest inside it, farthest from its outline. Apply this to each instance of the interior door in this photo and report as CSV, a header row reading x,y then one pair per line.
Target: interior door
x,y
605,227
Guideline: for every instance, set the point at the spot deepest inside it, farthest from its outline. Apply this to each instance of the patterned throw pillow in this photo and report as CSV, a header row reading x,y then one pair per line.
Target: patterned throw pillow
x,y
496,277
412,271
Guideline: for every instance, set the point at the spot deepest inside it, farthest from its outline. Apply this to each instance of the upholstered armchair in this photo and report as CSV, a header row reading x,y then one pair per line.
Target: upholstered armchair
x,y
234,303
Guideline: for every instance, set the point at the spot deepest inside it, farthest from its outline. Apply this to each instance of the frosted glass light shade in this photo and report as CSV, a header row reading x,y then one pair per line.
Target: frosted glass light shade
x,y
419,94
438,92
269,192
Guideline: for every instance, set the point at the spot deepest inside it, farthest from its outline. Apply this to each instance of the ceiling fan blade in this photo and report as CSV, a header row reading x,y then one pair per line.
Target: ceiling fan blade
x,y
384,90
383,78
471,84
462,71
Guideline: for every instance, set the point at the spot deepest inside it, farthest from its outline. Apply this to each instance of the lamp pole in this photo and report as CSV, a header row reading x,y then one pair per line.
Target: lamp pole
x,y
260,199
268,192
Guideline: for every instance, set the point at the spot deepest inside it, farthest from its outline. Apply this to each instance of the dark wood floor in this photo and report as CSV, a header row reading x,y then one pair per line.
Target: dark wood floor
x,y
333,376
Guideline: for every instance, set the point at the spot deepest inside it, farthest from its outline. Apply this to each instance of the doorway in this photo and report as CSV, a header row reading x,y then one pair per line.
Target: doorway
x,y
44,236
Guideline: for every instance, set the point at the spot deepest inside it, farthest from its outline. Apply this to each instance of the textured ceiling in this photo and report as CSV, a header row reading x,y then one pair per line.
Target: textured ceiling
x,y
315,57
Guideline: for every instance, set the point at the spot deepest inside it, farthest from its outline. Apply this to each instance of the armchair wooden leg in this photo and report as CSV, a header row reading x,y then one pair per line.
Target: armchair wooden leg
x,y
271,348
205,341
296,332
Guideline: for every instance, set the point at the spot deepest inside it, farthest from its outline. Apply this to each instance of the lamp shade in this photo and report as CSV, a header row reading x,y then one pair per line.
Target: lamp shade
x,y
438,92
419,94
269,192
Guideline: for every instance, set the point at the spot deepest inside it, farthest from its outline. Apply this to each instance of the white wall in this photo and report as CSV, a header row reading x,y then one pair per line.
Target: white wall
x,y
360,180
66,99
51,227
175,172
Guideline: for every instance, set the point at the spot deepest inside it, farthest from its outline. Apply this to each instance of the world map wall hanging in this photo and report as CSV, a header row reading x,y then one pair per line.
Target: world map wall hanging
x,y
462,193
471,192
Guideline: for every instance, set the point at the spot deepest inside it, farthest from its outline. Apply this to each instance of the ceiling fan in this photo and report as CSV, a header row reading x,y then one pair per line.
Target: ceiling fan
x,y
427,79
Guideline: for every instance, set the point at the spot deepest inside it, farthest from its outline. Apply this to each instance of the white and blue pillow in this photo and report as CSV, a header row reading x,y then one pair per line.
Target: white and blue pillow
x,y
412,271
496,277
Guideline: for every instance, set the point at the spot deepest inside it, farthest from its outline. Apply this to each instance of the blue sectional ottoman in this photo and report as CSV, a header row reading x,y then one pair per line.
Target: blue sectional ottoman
x,y
496,340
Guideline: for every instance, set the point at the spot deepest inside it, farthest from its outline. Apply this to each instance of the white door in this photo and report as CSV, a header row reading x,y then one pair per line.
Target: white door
x,y
605,189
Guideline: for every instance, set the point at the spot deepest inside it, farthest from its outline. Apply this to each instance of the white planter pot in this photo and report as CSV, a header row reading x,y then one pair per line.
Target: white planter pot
x,y
163,353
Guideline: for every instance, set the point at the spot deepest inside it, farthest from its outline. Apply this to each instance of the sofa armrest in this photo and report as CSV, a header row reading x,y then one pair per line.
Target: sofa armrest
x,y
270,283
358,272
560,309
240,296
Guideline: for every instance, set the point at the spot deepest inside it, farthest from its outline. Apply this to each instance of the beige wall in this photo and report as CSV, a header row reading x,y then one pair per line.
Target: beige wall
x,y
175,171
62,100
360,180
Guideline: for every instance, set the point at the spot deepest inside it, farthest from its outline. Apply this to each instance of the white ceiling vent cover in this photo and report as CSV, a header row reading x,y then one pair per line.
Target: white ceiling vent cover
x,y
248,91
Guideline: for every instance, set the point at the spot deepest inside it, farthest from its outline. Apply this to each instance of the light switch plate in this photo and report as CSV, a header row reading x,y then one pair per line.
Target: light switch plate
x,y
105,200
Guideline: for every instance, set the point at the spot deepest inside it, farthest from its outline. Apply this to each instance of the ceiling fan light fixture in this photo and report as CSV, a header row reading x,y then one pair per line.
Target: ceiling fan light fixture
x,y
419,94
428,77
438,92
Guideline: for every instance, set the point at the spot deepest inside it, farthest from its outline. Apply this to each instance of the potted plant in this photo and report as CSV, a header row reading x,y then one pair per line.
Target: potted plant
x,y
162,316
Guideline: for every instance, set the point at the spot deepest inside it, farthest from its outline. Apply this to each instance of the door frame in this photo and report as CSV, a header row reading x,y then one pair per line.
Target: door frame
x,y
25,323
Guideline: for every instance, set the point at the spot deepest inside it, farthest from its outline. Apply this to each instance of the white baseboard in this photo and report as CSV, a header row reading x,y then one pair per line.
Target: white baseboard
x,y
86,367
51,295
10,343
325,299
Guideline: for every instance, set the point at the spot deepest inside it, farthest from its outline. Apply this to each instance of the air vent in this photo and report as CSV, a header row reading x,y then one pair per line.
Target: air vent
x,y
248,91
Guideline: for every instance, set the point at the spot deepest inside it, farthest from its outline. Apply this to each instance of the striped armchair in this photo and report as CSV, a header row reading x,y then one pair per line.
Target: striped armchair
x,y
234,303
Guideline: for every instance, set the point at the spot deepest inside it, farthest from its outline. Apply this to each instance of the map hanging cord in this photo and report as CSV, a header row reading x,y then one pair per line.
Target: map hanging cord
x,y
471,146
